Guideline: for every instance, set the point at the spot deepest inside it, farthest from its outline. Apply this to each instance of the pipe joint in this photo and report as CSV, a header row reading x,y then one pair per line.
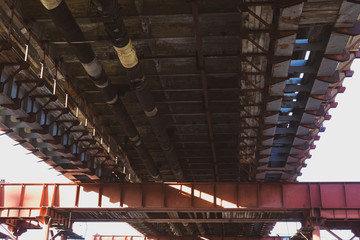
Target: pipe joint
x,y
50,4
151,113
135,73
138,143
127,55
101,82
138,83
107,9
113,22
168,148
157,178
102,85
114,100
93,68
135,138
117,32
121,41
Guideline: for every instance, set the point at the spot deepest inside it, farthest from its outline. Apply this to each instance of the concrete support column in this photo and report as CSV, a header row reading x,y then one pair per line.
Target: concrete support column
x,y
316,232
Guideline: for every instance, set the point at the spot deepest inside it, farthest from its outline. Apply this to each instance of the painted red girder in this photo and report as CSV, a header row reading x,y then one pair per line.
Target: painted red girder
x,y
330,200
115,237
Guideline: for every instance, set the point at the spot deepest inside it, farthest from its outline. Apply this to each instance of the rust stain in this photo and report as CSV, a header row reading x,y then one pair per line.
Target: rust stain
x,y
283,46
290,20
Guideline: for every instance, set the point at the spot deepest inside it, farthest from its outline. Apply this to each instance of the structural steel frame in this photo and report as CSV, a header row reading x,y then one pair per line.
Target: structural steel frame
x,y
315,204
118,237
334,200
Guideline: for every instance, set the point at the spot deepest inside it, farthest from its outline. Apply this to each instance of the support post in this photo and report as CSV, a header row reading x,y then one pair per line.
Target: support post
x,y
45,223
46,230
316,232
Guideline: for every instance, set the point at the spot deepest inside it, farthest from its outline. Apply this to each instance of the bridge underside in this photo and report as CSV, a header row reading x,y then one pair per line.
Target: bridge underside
x,y
241,89
220,91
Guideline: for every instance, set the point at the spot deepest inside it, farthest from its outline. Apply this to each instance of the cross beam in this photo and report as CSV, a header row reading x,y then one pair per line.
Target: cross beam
x,y
294,201
115,237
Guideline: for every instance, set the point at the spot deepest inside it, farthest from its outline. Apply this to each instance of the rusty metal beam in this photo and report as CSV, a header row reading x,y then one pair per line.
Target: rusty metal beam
x,y
259,71
332,233
245,77
211,238
201,64
182,57
335,200
263,50
118,237
249,90
188,220
245,8
177,74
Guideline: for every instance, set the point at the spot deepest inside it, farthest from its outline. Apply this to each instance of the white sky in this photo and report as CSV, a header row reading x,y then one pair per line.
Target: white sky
x,y
337,154
336,158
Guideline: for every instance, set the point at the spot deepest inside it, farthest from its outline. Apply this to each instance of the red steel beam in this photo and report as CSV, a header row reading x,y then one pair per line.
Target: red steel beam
x,y
187,220
116,237
334,200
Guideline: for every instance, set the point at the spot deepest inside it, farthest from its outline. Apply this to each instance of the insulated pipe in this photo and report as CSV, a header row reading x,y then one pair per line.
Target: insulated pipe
x,y
114,25
63,19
